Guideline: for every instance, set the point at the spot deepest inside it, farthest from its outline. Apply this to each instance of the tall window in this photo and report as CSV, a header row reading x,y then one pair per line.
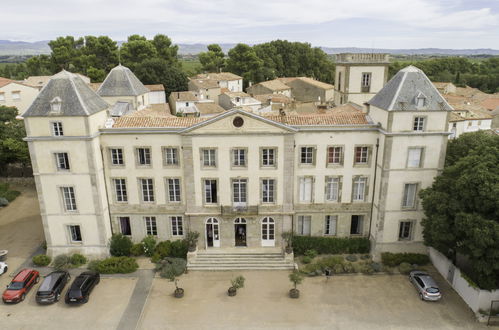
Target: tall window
x,y
125,227
361,155
171,156
120,189
304,224
268,190
405,230
332,189
209,157
335,155
68,196
151,228
268,157
307,155
306,189
414,157
177,226
144,156
239,190
239,157
419,124
173,190
330,224
366,82
117,156
57,128
409,198
339,81
147,190
356,224
74,233
62,161
359,189
210,191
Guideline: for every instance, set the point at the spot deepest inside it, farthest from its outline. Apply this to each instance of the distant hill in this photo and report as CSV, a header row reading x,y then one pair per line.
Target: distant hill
x,y
8,47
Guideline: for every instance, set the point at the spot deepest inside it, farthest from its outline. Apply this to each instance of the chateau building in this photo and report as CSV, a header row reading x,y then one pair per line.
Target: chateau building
x,y
237,178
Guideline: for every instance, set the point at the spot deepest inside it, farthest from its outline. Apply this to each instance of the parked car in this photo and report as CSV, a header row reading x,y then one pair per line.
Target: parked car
x,y
81,287
20,285
51,288
426,286
3,267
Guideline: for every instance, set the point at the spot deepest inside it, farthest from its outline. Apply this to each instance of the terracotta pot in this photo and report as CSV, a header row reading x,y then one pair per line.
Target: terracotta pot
x,y
232,291
178,293
192,248
294,293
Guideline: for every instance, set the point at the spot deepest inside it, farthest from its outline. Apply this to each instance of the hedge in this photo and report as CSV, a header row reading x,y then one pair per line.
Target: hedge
x,y
41,260
395,259
330,245
173,249
114,265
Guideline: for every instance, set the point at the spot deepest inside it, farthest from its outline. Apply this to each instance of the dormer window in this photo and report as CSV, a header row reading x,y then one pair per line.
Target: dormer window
x,y
420,100
55,105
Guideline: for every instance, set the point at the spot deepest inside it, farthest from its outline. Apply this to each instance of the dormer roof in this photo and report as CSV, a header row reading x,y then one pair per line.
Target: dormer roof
x,y
403,90
75,96
121,82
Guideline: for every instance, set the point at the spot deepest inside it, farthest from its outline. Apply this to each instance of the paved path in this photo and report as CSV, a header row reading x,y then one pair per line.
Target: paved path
x,y
133,311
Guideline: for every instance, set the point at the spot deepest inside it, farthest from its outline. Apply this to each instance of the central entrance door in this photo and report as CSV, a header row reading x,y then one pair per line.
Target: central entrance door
x,y
268,231
240,231
212,233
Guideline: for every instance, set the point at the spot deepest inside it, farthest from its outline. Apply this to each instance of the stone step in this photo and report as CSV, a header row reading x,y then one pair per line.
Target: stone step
x,y
219,254
240,267
239,257
236,262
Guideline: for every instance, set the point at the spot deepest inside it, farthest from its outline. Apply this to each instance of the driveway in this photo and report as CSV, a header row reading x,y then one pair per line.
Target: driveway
x,y
343,302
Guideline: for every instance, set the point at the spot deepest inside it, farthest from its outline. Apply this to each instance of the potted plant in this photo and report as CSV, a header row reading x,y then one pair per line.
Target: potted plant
x,y
171,268
237,283
192,240
287,236
296,278
179,292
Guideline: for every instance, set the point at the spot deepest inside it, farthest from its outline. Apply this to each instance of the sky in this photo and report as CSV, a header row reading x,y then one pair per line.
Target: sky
x,y
456,24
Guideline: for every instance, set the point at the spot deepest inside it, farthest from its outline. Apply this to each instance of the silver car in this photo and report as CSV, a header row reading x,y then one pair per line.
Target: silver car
x,y
426,286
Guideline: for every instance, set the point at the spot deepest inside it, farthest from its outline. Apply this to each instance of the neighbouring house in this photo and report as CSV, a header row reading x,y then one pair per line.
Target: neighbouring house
x,y
16,94
269,87
40,81
465,121
229,80
183,103
205,89
156,94
304,89
238,178
274,102
209,109
230,100
492,105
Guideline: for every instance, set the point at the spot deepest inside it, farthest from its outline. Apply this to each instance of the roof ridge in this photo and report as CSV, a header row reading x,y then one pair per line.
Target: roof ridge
x,y
130,81
85,109
399,87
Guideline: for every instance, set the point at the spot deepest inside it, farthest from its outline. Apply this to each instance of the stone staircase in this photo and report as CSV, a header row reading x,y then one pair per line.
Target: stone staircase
x,y
210,260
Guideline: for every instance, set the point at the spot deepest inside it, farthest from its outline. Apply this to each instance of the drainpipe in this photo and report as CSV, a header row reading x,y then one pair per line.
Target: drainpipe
x,y
374,187
105,188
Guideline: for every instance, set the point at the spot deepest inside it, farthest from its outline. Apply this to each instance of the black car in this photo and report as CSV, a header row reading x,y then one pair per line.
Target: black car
x,y
81,287
51,288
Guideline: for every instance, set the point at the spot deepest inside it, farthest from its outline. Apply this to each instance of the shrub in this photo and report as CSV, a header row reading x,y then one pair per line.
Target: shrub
x,y
120,245
330,262
310,268
306,260
330,245
387,269
405,268
357,268
41,260
93,265
338,269
311,254
376,266
296,278
365,257
116,265
78,260
192,239
351,258
395,259
149,243
366,269
172,249
348,267
3,202
171,267
238,282
137,250
179,249
61,261
7,194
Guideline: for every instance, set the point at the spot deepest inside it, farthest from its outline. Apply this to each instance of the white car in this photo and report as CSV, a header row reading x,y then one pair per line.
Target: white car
x,y
3,267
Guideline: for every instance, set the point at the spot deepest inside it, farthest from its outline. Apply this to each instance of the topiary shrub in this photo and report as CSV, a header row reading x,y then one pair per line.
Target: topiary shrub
x,y
62,262
306,260
405,268
3,202
41,260
78,260
351,258
169,266
116,265
149,243
311,253
120,245
395,259
338,269
330,245
137,250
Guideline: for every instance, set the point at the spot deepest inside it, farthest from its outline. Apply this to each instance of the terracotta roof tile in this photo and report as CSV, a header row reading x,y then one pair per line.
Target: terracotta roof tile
x,y
491,103
155,88
175,122
319,120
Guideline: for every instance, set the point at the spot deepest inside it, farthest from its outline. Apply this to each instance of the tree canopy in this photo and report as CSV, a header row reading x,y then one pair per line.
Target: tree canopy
x,y
462,206
12,147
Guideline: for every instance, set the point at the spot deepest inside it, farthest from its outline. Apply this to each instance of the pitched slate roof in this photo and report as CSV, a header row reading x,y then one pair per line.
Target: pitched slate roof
x,y
401,91
77,98
121,82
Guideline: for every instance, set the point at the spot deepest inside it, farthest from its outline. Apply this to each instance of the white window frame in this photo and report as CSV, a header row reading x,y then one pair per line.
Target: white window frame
x,y
120,190
171,156
330,225
268,190
301,223
151,226
17,97
361,158
69,198
239,191
62,161
2,97
411,159
405,230
144,156
307,155
419,124
57,129
209,157
147,190
210,197
239,157
334,153
121,226
174,190
268,157
305,195
75,231
409,196
117,157
332,186
360,226
359,189
177,225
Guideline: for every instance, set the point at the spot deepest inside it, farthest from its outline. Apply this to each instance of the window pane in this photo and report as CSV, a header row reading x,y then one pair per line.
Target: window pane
x,y
125,226
414,157
409,198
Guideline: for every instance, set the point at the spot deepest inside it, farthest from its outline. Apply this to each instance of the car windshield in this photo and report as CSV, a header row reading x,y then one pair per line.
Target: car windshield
x,y
432,290
15,286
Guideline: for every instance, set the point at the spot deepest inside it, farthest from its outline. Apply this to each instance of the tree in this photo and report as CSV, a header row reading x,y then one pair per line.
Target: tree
x,y
12,147
159,71
136,50
462,206
213,60
243,61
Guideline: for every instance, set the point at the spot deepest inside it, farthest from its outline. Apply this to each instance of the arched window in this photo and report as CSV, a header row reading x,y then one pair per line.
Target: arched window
x,y
239,221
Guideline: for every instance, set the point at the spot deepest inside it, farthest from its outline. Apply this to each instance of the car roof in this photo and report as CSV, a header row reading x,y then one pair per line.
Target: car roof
x,y
22,275
428,281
